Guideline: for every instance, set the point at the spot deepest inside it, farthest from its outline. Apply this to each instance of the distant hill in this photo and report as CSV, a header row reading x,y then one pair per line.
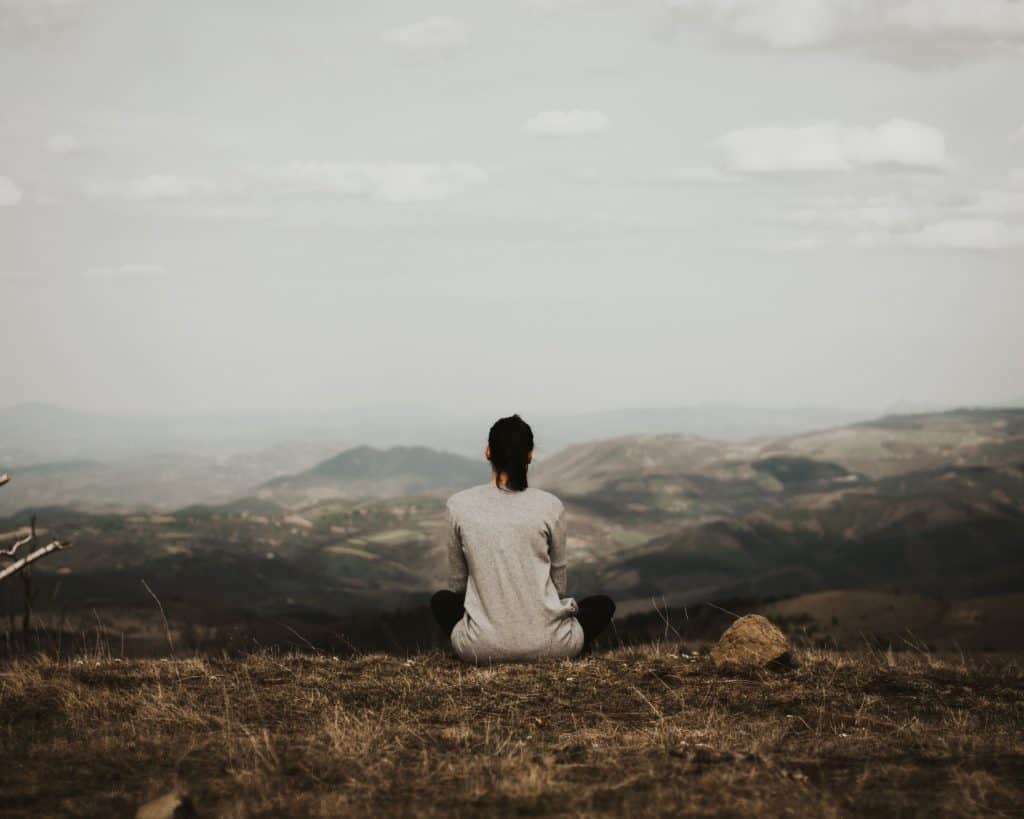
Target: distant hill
x,y
366,471
586,467
131,461
38,433
925,504
161,481
877,448
666,471
906,443
952,531
723,422
928,502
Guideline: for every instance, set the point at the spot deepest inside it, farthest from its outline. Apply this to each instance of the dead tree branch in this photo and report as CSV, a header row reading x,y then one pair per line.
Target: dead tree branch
x,y
17,545
43,551
29,538
11,551
21,566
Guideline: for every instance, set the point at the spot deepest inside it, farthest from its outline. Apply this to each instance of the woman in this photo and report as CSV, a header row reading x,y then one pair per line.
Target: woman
x,y
506,558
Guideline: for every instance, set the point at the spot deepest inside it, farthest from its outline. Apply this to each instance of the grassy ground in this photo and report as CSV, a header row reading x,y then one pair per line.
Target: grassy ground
x,y
636,731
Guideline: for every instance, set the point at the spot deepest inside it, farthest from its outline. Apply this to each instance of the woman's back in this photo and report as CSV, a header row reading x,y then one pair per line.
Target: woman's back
x,y
507,549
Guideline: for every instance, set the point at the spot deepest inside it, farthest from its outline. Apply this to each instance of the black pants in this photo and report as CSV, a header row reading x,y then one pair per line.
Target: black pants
x,y
595,613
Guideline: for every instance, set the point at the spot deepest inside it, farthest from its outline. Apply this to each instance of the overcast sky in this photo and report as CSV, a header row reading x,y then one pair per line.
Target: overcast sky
x,y
503,206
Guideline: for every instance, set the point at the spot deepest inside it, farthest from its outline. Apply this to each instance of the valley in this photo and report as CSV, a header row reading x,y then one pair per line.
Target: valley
x,y
929,506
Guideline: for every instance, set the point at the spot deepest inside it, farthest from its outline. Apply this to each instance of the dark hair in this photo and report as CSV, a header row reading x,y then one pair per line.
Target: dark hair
x,y
510,441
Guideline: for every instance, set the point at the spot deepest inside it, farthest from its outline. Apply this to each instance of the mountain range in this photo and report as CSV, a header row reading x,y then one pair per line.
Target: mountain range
x,y
39,433
930,504
123,463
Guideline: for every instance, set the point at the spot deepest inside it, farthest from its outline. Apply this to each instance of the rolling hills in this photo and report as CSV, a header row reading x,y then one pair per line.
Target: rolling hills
x,y
367,471
931,505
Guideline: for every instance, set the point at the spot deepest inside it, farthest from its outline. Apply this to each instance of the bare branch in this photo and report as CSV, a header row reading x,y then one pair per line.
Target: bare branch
x,y
167,626
4,478
43,551
17,545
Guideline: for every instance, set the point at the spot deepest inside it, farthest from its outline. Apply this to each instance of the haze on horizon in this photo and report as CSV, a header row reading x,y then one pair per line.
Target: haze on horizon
x,y
565,205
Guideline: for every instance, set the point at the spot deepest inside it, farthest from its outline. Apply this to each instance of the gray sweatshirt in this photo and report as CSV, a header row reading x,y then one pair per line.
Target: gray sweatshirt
x,y
506,550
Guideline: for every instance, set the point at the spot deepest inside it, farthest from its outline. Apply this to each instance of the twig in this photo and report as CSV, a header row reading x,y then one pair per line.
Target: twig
x,y
732,613
167,626
293,631
651,705
665,619
17,545
43,551
5,478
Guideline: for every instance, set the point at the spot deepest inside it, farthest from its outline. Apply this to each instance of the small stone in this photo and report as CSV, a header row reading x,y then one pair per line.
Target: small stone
x,y
751,642
173,805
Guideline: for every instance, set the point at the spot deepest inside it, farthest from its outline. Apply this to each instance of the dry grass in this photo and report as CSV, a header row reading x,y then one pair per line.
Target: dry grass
x,y
637,731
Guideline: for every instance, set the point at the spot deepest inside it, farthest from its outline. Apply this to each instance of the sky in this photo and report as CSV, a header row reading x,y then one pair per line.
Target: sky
x,y
560,205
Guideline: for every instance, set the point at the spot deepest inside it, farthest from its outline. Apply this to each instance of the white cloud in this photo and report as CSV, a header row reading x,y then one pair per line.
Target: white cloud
x,y
385,182
567,123
991,19
934,24
382,182
966,234
62,144
1017,137
921,218
126,271
778,23
10,194
153,187
436,35
831,146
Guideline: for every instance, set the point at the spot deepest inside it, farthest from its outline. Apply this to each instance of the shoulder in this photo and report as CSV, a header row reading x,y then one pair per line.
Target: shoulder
x,y
551,502
464,496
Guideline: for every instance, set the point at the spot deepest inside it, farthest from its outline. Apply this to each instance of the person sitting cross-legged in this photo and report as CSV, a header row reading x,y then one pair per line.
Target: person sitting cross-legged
x,y
507,598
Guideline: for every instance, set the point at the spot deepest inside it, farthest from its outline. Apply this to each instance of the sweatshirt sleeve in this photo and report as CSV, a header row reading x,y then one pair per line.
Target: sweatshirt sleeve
x,y
556,551
458,571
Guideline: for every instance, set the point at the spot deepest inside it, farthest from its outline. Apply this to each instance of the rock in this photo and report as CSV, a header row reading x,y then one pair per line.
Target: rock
x,y
173,805
751,642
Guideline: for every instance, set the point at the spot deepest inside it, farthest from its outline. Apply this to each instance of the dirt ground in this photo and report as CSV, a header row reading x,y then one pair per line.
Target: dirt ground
x,y
642,731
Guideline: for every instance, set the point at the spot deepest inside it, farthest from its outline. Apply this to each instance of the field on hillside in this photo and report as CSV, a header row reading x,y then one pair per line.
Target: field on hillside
x,y
642,731
930,505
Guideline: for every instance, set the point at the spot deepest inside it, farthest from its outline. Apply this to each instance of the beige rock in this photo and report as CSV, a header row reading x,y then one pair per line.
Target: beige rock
x,y
173,805
751,641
